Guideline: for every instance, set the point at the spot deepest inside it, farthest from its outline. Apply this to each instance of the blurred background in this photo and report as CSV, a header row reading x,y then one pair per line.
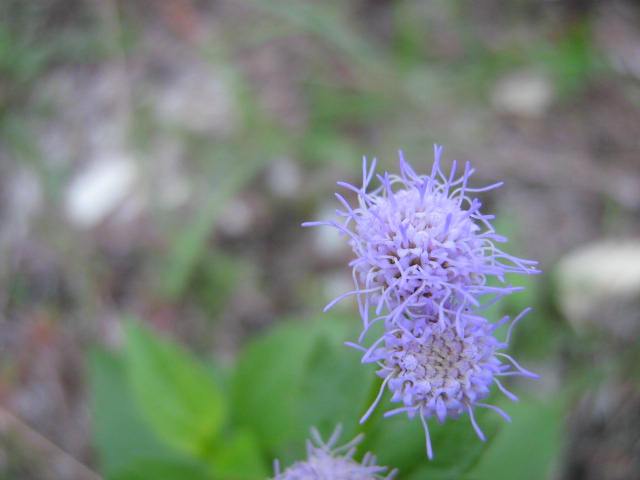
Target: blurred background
x,y
158,157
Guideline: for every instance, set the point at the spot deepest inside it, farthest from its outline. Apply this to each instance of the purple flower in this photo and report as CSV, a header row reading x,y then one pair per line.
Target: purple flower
x,y
424,254
324,462
443,369
423,248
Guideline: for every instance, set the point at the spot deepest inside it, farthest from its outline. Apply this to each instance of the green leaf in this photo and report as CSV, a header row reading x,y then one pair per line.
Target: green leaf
x,y
267,382
538,332
400,442
162,469
120,433
239,458
396,441
335,387
297,376
175,394
527,448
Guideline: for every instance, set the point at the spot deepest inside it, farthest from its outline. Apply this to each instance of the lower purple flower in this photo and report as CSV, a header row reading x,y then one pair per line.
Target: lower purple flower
x,y
443,369
327,462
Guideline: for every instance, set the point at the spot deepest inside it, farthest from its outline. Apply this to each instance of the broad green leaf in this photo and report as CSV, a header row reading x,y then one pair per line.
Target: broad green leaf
x,y
526,449
297,376
456,444
396,441
239,458
163,469
335,388
400,442
537,333
175,394
267,381
120,433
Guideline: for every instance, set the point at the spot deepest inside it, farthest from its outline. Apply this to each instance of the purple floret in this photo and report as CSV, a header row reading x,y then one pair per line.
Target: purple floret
x,y
327,462
443,370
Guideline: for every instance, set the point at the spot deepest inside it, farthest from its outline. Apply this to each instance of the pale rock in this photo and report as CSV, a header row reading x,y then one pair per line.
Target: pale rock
x,y
599,285
236,218
100,188
284,178
525,94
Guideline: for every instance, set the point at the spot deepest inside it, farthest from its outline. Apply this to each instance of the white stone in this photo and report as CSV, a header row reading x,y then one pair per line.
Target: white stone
x,y
284,178
236,218
524,93
600,284
99,188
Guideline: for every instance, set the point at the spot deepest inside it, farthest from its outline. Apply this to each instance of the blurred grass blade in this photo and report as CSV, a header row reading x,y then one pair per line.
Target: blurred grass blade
x,y
189,243
325,20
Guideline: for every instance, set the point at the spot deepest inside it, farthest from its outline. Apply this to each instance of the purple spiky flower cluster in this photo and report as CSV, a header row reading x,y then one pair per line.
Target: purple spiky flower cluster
x,y
327,462
424,252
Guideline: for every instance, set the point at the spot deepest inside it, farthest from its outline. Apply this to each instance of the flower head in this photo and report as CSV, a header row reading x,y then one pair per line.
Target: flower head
x,y
324,462
424,253
443,369
422,245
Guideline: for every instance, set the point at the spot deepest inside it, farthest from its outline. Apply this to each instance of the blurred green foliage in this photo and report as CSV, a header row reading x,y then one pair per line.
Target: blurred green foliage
x,y
121,435
537,427
287,381
352,80
180,398
157,410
